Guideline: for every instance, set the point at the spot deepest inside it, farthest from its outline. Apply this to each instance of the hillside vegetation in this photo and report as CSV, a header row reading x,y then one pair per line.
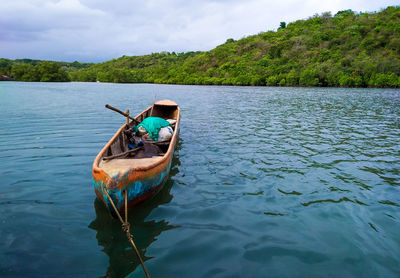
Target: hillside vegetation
x,y
348,49
37,70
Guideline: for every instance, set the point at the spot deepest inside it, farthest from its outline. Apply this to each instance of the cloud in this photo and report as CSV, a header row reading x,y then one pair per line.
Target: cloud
x,y
98,30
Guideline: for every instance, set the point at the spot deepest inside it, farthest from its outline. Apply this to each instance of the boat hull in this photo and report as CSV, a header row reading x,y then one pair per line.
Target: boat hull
x,y
141,180
140,185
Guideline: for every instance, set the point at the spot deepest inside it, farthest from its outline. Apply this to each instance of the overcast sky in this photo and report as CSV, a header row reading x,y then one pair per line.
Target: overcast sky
x,y
98,30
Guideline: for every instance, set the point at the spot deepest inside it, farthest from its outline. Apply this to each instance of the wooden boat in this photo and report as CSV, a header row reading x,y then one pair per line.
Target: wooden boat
x,y
142,175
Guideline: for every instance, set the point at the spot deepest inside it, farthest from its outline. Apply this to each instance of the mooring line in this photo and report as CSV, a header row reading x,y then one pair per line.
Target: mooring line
x,y
126,228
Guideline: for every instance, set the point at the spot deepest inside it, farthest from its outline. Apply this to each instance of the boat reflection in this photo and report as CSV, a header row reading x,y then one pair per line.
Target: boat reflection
x,y
122,259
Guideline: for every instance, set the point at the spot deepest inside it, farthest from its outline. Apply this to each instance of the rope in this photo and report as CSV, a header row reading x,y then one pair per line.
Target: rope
x,y
126,228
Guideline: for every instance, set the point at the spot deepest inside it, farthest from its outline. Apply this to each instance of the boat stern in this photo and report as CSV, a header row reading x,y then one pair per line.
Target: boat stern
x,y
139,187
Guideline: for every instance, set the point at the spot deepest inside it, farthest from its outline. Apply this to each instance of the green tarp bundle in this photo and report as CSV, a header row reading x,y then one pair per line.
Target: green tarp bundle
x,y
153,125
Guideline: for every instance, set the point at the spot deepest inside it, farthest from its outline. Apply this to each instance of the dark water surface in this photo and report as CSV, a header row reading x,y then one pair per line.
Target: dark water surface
x,y
266,182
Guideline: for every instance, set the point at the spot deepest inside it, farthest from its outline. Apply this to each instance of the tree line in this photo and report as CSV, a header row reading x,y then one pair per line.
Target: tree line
x,y
347,49
39,71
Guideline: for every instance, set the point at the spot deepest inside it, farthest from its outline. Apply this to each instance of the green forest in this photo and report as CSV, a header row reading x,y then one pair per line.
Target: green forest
x,y
36,70
347,49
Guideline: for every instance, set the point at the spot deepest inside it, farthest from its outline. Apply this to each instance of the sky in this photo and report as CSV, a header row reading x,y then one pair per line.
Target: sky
x,y
99,30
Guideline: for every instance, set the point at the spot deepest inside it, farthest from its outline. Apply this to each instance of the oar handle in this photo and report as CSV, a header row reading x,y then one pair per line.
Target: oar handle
x,y
122,113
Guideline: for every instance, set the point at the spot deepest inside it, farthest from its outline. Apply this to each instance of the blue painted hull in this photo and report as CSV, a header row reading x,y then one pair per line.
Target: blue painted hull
x,y
138,190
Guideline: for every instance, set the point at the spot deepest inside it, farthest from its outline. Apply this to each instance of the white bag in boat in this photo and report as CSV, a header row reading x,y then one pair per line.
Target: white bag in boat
x,y
165,133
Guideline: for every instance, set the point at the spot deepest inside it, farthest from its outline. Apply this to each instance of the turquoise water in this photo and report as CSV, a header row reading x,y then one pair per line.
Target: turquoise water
x,y
265,182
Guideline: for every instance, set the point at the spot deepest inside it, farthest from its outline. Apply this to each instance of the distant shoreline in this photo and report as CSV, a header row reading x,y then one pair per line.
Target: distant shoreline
x,y
6,78
345,50
204,85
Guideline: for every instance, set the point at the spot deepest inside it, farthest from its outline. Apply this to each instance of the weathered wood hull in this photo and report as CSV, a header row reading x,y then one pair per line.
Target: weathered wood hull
x,y
140,183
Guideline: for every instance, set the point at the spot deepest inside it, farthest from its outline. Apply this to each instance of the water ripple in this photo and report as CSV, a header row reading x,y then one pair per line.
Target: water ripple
x,y
282,182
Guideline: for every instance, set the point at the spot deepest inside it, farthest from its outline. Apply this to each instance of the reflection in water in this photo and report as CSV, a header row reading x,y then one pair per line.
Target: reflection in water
x,y
271,183
122,259
344,199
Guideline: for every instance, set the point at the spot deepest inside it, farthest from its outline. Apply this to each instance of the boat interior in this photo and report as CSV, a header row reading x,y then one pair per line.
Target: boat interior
x,y
119,154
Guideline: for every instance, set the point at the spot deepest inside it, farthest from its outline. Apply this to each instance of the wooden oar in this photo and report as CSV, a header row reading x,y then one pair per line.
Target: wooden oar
x,y
122,113
154,101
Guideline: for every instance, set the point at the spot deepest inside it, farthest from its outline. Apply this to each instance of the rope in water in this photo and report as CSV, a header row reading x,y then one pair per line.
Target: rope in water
x,y
126,229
